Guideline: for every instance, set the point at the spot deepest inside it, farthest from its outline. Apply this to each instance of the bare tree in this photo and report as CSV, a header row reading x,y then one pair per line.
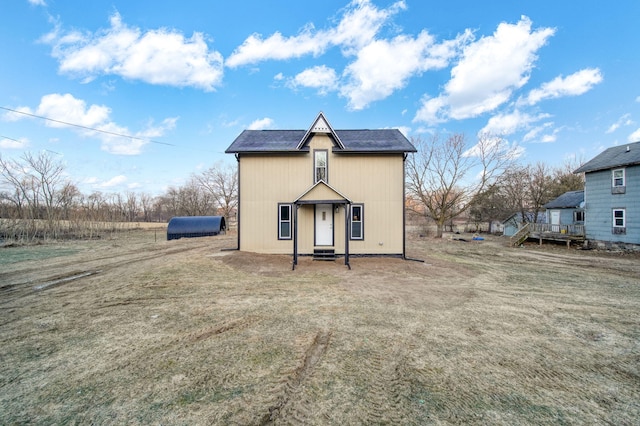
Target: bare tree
x,y
35,181
445,175
146,204
221,181
539,187
47,174
565,180
132,207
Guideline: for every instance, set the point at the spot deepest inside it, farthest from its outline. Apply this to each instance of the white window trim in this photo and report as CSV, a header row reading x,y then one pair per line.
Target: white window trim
x,y
624,218
280,221
326,165
613,178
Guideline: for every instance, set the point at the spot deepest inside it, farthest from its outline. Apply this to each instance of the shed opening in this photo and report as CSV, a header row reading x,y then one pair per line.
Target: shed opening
x,y
195,226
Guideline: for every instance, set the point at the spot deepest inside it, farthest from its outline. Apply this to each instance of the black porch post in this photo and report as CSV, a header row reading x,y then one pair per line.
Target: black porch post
x,y
347,213
295,235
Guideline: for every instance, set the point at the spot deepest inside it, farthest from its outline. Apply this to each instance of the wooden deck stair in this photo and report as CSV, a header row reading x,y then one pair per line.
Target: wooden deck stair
x,y
324,254
520,236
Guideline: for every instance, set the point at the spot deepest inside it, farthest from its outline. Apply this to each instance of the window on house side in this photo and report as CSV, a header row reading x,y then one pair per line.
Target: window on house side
x,y
284,221
320,166
617,177
357,222
619,218
578,216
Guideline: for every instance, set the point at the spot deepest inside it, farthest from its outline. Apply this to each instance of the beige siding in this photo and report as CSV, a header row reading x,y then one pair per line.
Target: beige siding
x,y
376,181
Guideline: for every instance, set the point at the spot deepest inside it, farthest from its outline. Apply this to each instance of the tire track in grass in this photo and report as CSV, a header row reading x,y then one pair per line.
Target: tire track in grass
x,y
18,290
387,396
291,387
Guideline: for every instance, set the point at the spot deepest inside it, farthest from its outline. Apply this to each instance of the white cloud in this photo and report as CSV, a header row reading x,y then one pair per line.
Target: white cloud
x,y
358,26
572,85
261,124
37,2
94,121
635,136
488,72
496,144
320,77
405,130
381,66
534,132
384,66
507,124
114,181
69,109
638,99
6,143
625,120
17,114
163,56
549,138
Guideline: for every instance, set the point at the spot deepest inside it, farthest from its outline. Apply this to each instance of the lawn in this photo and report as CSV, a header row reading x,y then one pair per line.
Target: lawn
x,y
180,332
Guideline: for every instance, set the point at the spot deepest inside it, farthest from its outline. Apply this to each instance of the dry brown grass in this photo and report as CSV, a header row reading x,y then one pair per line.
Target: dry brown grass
x,y
179,332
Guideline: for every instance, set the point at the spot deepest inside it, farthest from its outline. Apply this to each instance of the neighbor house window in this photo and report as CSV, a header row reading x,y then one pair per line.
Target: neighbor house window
x,y
618,177
284,221
357,222
578,216
320,165
619,221
617,181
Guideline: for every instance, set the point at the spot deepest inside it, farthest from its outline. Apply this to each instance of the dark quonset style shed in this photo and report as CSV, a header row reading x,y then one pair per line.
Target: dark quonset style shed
x,y
195,226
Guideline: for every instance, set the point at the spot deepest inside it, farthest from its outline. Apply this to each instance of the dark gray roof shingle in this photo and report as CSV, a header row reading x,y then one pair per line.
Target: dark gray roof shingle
x,y
379,140
571,199
616,156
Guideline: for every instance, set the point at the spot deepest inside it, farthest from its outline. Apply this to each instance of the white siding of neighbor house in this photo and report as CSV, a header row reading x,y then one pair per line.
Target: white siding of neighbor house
x,y
600,202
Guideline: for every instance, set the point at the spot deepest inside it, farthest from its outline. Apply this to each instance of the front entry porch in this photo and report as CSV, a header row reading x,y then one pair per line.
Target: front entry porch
x,y
329,205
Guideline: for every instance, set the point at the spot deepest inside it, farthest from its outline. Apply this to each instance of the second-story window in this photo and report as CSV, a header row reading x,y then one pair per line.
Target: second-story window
x,y
320,166
617,177
618,181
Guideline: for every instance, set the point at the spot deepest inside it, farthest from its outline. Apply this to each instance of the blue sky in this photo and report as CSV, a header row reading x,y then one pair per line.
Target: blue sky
x,y
170,85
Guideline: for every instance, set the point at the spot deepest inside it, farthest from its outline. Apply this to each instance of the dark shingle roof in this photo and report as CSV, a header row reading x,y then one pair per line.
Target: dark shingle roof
x,y
616,156
571,199
380,140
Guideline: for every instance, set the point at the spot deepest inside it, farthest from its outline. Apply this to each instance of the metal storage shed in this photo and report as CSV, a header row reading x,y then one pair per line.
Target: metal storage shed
x,y
195,226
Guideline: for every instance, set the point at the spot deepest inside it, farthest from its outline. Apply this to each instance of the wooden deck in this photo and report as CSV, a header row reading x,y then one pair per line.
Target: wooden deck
x,y
549,232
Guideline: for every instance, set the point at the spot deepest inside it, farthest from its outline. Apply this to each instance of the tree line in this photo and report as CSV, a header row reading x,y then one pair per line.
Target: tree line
x,y
445,180
38,200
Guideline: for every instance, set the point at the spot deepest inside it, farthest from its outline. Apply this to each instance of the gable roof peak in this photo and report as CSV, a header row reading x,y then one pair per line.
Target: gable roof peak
x,y
320,125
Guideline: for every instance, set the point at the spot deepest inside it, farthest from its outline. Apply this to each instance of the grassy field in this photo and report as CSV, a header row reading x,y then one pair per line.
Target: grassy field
x,y
138,330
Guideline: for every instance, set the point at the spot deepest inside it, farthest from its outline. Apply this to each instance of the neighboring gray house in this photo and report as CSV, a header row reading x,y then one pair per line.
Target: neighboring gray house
x,y
567,209
516,221
612,195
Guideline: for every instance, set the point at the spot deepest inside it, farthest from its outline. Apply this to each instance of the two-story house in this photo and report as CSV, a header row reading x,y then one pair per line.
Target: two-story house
x,y
321,191
612,195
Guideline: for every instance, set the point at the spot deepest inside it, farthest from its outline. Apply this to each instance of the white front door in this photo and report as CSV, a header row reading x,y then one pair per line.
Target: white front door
x,y
324,224
555,220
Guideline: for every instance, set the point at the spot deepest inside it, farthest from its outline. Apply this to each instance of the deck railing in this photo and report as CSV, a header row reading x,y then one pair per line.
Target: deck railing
x,y
539,228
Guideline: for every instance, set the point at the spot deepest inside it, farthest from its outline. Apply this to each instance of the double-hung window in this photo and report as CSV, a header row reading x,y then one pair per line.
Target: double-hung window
x,y
357,222
619,221
617,181
284,221
320,166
